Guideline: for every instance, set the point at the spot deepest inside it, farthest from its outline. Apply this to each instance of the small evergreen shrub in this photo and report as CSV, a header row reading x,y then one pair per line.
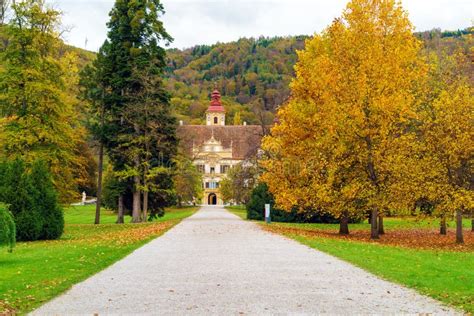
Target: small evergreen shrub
x,y
32,201
7,228
46,202
28,225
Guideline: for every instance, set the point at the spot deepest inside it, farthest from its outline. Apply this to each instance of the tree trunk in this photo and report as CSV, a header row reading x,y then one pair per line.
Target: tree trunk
x,y
442,226
374,233
344,224
99,184
459,237
145,206
380,228
472,221
137,196
120,210
136,211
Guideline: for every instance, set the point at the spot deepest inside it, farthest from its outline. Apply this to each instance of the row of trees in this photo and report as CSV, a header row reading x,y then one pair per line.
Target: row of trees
x,y
49,108
374,123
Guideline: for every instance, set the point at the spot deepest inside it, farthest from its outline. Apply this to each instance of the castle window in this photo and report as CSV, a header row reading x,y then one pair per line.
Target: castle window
x,y
212,185
200,168
215,120
213,170
224,168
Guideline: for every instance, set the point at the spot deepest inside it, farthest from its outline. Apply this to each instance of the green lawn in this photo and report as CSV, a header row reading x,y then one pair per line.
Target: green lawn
x,y
238,210
37,271
444,275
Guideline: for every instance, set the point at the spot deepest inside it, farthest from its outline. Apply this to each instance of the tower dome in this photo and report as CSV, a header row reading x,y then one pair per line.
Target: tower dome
x,y
216,105
215,114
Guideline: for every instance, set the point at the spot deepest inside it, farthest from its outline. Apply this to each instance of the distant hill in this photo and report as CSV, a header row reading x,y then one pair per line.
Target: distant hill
x,y
253,74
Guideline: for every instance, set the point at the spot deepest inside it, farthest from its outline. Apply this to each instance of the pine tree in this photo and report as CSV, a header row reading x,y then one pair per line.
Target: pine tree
x,y
140,133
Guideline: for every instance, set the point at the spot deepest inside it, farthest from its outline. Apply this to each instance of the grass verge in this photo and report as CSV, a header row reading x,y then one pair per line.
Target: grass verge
x,y
238,210
38,271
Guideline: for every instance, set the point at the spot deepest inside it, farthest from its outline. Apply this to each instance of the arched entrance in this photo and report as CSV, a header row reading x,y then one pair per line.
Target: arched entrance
x,y
212,199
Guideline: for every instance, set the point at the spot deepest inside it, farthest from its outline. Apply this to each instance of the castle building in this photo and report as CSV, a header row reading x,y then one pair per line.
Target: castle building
x,y
216,147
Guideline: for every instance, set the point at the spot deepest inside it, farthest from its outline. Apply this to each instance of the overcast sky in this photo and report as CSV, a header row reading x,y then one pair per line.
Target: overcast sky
x,y
193,22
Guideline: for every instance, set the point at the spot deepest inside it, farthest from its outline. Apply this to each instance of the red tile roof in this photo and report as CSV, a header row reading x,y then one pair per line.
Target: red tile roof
x,y
216,105
245,140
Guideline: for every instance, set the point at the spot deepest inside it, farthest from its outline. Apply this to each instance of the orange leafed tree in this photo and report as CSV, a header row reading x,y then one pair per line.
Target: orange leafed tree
x,y
346,128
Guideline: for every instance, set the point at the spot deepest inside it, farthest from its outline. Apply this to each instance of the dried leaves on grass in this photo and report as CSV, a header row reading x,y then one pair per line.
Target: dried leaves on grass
x,y
409,238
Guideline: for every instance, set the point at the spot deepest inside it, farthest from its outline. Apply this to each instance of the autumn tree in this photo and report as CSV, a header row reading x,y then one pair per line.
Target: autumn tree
x,y
38,120
446,144
187,180
239,182
353,99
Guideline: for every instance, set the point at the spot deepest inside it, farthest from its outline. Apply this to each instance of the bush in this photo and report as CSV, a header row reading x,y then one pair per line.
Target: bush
x,y
256,206
28,225
32,200
261,196
7,228
46,202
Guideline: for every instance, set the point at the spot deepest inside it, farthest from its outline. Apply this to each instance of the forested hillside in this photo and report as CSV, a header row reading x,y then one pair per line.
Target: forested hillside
x,y
253,74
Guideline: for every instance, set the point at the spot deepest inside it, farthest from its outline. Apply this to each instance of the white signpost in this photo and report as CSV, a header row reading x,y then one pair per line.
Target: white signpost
x,y
267,214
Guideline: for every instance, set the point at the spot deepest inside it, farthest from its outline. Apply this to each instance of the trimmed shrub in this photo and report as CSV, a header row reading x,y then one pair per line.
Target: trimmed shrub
x,y
7,228
28,225
46,202
32,201
16,192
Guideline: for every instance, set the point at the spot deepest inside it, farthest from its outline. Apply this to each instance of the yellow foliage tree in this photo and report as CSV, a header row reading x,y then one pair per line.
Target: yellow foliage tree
x,y
346,128
37,109
446,145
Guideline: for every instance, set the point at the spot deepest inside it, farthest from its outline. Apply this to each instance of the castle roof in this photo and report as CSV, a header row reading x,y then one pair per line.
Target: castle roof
x,y
216,105
243,139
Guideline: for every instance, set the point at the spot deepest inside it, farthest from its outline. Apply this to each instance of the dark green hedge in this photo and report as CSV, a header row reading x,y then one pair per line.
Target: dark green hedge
x,y
32,200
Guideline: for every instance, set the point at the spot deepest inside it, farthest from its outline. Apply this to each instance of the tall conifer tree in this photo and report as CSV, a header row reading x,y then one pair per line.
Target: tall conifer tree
x,y
140,132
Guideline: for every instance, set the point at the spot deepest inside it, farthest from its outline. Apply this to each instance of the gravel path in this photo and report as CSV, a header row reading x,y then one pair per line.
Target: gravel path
x,y
215,263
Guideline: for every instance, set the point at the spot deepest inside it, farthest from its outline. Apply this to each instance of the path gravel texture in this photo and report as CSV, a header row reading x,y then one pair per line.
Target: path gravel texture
x,y
215,263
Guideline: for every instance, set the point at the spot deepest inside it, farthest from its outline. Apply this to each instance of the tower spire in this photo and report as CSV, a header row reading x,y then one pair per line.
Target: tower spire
x,y
215,114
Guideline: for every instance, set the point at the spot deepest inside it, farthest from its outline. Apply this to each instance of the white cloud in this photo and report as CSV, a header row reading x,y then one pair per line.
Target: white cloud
x,y
193,22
